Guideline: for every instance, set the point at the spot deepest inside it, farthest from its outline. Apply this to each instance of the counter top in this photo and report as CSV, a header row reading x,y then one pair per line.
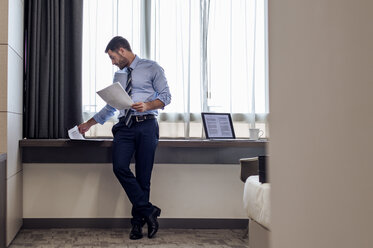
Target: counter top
x,y
162,142
194,151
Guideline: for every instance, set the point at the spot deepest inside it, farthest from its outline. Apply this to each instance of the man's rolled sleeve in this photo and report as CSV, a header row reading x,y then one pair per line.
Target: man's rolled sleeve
x,y
104,114
161,87
165,96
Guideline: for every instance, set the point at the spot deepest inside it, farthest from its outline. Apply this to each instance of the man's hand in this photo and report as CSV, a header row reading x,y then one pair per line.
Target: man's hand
x,y
84,127
145,106
140,106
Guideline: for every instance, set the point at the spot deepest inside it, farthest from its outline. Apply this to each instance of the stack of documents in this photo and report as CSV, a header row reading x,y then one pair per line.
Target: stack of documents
x,y
74,134
116,96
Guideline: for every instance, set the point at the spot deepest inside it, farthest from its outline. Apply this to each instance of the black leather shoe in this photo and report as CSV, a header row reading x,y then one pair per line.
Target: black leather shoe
x,y
152,222
136,232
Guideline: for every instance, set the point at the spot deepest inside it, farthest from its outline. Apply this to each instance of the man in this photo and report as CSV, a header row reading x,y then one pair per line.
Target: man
x,y
137,131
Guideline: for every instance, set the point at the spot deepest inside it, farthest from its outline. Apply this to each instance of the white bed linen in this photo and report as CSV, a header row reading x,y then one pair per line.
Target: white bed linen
x,y
256,199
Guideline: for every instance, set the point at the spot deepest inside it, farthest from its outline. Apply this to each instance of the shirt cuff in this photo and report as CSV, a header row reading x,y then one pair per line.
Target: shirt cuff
x,y
99,119
165,99
104,114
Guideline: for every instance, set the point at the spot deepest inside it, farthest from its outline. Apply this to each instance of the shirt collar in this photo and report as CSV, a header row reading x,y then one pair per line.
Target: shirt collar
x,y
134,62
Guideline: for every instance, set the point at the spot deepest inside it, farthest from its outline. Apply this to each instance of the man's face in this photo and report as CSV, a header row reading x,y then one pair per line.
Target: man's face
x,y
118,59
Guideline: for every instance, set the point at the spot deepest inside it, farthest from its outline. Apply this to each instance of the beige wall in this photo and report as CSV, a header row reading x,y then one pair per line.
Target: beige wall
x,y
321,86
92,191
11,81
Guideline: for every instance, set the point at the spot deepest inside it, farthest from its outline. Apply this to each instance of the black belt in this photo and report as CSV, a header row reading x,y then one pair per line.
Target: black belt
x,y
140,118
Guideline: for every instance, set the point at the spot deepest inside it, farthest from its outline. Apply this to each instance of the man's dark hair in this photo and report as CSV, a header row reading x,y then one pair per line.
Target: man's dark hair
x,y
116,43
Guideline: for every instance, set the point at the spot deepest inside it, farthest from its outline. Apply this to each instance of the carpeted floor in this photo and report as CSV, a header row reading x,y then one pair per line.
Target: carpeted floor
x,y
165,238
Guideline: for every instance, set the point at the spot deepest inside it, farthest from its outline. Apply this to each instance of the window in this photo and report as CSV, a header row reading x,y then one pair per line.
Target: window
x,y
213,53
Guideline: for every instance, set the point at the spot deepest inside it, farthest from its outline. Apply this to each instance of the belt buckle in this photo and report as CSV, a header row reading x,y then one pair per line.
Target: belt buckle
x,y
139,120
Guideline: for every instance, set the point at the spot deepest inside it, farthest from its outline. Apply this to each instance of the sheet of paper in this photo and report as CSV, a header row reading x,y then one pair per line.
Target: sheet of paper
x,y
116,96
74,134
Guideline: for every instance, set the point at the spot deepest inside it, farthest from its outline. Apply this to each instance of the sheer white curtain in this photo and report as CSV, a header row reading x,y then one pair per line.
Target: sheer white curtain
x,y
176,46
213,53
102,20
222,46
236,58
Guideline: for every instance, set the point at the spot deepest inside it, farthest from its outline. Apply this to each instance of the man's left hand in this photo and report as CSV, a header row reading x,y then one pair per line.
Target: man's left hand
x,y
140,106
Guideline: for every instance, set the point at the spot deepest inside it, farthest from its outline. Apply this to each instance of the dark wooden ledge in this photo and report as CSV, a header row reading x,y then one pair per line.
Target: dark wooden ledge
x,y
173,151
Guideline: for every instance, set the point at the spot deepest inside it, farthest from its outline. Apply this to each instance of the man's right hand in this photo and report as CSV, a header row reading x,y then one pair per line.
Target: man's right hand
x,y
84,127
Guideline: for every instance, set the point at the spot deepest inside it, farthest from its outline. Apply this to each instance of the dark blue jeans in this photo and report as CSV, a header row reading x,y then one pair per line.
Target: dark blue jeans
x,y
140,140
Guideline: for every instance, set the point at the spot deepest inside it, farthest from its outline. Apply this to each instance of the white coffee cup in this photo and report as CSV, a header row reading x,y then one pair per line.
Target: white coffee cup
x,y
255,133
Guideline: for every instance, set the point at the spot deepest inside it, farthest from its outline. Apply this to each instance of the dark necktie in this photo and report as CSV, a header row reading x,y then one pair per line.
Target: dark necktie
x,y
128,112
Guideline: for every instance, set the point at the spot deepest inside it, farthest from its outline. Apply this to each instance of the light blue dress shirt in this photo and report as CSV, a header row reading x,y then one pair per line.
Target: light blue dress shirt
x,y
148,84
